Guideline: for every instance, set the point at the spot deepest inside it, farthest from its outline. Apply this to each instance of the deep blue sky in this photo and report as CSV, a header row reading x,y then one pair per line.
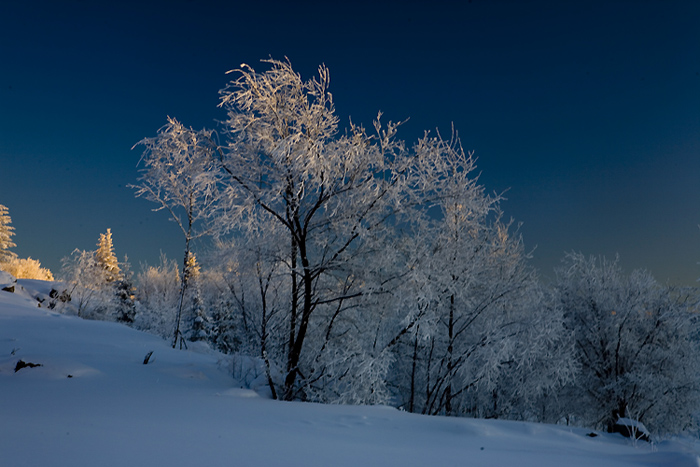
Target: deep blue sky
x,y
588,112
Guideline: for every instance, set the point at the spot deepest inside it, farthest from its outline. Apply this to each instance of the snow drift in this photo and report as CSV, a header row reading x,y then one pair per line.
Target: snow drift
x,y
90,400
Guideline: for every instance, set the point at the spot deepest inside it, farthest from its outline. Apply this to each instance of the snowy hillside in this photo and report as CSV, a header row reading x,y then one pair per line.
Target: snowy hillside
x,y
93,402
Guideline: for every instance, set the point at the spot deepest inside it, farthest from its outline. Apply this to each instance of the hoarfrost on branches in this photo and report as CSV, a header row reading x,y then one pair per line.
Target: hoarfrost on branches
x,y
635,342
359,269
179,175
335,198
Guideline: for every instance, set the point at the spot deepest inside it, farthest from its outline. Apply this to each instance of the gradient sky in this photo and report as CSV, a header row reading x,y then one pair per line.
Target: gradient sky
x,y
587,112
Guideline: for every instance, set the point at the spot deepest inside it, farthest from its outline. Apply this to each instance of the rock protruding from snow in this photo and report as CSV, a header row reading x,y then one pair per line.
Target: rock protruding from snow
x,y
22,364
7,282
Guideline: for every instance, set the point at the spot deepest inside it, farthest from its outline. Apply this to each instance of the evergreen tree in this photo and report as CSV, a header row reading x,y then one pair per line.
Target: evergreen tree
x,y
124,290
192,268
106,258
6,233
198,323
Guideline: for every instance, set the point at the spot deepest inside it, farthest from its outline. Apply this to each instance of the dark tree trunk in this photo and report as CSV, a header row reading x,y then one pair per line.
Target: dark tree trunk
x,y
294,306
411,400
307,308
450,363
183,287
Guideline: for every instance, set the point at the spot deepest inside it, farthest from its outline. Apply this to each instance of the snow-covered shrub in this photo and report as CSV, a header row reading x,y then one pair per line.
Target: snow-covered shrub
x,y
92,296
157,295
26,268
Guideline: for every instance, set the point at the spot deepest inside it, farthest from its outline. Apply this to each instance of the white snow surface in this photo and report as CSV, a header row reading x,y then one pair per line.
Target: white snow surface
x,y
93,402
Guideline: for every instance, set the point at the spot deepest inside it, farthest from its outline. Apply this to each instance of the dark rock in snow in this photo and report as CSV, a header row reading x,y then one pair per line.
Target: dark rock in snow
x,y
22,364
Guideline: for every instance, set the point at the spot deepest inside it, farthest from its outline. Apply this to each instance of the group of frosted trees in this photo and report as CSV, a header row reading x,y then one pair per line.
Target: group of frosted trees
x,y
96,283
93,283
349,258
361,270
635,343
355,268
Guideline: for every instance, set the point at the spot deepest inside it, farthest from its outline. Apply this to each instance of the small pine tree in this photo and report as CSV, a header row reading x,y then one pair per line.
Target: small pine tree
x,y
106,258
221,334
192,269
124,290
6,233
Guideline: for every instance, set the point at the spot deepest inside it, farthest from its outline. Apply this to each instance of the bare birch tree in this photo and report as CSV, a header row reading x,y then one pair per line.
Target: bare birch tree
x,y
179,174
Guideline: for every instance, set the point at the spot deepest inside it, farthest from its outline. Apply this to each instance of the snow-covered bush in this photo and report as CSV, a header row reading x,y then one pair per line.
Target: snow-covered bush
x,y
27,268
157,295
92,296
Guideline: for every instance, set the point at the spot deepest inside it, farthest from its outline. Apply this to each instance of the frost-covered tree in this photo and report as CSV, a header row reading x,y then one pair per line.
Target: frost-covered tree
x,y
97,286
125,294
344,248
157,297
251,282
90,291
636,342
333,196
478,341
196,318
106,258
179,174
6,233
119,281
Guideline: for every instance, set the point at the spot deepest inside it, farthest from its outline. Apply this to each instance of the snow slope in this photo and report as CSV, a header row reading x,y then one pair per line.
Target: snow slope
x,y
94,403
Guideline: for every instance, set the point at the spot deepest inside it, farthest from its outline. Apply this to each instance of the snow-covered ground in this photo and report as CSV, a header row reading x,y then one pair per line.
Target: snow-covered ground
x,y
93,402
